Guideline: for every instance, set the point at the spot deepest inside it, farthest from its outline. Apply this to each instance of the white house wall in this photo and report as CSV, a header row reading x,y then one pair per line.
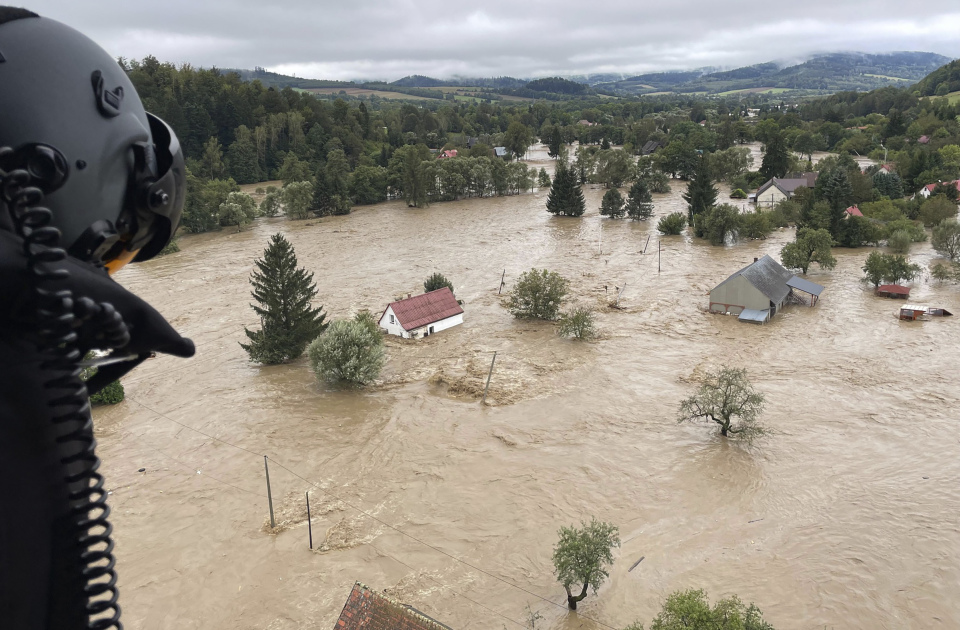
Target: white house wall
x,y
393,328
737,294
397,329
771,196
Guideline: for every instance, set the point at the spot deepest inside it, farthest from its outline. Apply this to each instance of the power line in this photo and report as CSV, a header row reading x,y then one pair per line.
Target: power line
x,y
436,581
437,549
371,516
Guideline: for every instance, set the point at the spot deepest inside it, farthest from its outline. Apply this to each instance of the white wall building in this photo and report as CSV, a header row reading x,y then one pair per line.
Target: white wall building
x,y
422,315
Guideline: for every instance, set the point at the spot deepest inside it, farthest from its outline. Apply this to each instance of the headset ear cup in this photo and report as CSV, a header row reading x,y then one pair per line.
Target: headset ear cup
x,y
166,197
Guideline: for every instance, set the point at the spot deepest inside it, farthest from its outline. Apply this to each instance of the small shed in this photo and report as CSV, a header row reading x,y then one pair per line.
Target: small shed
x,y
894,291
754,316
501,152
912,312
811,288
422,315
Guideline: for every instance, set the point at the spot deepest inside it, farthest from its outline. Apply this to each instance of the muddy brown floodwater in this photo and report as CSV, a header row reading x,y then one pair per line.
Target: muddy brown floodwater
x,y
846,516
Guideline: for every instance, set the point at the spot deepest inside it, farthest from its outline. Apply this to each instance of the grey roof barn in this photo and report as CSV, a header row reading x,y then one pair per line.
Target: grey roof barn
x,y
759,290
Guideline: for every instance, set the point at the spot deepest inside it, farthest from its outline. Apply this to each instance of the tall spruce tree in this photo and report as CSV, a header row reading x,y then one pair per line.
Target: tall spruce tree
x,y
566,196
838,192
612,204
701,194
639,201
288,322
556,143
776,158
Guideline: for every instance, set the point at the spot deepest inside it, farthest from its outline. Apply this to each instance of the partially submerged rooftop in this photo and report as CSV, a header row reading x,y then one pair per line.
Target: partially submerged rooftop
x,y
367,609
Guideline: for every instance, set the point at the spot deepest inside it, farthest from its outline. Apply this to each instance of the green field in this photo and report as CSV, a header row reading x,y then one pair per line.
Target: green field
x,y
883,76
953,97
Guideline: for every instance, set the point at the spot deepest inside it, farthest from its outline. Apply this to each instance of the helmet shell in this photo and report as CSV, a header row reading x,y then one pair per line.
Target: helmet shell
x,y
62,90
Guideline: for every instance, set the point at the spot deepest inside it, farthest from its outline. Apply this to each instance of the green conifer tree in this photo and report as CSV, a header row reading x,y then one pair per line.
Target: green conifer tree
x,y
776,158
701,194
566,196
612,204
321,204
283,293
639,201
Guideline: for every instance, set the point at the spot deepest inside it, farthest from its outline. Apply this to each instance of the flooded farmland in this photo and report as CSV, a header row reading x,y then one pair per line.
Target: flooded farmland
x,y
846,516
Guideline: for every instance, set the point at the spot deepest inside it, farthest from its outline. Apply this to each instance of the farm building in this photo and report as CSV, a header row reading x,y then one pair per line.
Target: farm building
x,y
422,315
927,190
777,189
893,291
758,291
367,609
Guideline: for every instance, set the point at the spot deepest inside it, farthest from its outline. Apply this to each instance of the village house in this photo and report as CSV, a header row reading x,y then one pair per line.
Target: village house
x,y
585,123
758,291
778,189
501,152
927,190
422,315
651,147
449,153
894,291
854,211
887,169
367,609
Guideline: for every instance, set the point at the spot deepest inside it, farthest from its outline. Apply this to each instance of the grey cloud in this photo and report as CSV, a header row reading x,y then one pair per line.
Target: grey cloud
x,y
392,38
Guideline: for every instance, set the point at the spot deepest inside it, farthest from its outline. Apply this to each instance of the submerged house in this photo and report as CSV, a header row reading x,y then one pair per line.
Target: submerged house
x,y
422,315
367,609
777,189
758,291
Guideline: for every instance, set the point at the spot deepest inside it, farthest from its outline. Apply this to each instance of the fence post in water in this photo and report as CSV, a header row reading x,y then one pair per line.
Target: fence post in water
x,y
501,281
309,523
658,256
484,399
645,244
273,521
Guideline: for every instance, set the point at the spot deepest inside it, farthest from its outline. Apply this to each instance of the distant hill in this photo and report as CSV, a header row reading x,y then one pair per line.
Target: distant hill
x,y
274,80
418,80
823,74
556,85
941,81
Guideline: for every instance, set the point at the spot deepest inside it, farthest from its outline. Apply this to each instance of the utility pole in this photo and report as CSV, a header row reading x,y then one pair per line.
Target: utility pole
x,y
273,522
490,374
658,256
309,521
504,275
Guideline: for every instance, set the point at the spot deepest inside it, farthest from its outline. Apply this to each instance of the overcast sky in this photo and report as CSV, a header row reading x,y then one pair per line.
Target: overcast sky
x,y
388,39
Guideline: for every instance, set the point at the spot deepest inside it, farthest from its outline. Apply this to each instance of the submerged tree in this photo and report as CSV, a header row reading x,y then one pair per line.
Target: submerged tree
x,y
690,610
639,201
672,223
566,197
810,246
538,294
556,143
727,398
283,293
350,350
577,323
581,556
436,281
701,194
612,204
776,158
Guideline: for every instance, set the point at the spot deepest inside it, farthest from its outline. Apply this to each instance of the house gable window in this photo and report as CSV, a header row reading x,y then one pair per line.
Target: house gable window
x,y
392,320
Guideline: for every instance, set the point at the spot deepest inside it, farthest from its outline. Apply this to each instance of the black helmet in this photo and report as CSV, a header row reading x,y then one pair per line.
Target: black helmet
x,y
113,175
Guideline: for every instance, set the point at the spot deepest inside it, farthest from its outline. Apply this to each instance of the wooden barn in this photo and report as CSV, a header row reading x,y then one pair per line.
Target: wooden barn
x,y
894,291
758,291
422,315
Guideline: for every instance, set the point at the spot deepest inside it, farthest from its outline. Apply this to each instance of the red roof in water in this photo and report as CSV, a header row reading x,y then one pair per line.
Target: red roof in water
x,y
425,309
854,211
368,610
894,288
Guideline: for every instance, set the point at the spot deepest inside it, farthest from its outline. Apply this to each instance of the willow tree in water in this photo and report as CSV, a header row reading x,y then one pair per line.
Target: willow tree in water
x,y
728,399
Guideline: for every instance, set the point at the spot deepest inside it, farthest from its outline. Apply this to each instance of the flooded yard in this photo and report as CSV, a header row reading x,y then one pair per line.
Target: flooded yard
x,y
846,516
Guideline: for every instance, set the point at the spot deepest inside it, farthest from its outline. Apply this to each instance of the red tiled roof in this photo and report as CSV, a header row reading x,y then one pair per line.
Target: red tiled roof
x,y
368,610
425,309
854,211
450,153
924,139
956,184
894,288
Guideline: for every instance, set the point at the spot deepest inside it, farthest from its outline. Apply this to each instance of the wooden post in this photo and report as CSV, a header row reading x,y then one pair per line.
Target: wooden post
x,y
273,521
484,399
309,523
501,281
621,293
645,244
658,256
